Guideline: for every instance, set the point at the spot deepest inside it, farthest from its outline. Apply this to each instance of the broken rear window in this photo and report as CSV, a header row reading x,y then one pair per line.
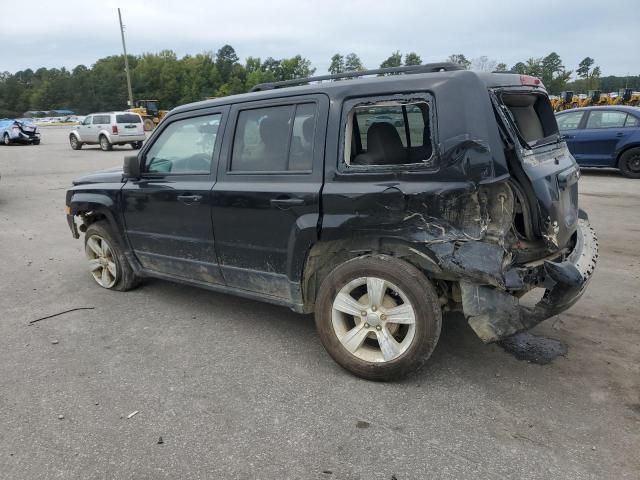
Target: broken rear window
x,y
388,133
532,116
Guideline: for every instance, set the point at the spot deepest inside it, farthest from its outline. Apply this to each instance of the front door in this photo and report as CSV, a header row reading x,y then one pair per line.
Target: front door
x,y
167,211
87,130
569,124
266,203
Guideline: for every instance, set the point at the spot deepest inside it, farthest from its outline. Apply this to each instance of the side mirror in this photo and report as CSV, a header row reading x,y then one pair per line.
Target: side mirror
x,y
131,167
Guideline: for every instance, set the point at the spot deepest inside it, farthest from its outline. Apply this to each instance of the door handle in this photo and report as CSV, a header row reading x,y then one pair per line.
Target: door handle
x,y
619,134
189,199
286,202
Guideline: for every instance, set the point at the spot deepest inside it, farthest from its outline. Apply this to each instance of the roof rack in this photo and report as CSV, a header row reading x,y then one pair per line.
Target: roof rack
x,y
426,68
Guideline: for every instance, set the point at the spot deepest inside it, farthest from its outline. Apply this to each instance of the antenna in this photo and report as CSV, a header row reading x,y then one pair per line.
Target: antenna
x,y
126,61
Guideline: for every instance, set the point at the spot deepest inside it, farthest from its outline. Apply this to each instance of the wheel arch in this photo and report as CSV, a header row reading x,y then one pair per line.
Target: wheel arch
x,y
324,256
93,207
625,149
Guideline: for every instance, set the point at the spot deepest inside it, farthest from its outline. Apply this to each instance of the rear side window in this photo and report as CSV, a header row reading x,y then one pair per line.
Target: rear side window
x,y
569,121
388,133
275,139
128,118
632,121
606,119
101,119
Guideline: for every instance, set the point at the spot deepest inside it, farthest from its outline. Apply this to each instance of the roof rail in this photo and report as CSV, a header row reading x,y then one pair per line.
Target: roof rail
x,y
426,68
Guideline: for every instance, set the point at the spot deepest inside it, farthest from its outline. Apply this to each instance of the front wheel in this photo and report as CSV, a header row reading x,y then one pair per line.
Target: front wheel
x,y
6,140
148,125
74,142
378,317
106,260
629,163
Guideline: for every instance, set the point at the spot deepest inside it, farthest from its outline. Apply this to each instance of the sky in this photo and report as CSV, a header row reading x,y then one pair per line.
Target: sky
x,y
48,33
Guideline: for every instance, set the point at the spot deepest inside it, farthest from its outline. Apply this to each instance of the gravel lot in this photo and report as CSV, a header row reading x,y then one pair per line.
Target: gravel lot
x,y
240,389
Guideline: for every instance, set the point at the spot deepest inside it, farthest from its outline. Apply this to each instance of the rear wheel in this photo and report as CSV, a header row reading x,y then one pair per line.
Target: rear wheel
x,y
74,142
148,125
629,163
6,140
107,263
136,145
378,317
105,144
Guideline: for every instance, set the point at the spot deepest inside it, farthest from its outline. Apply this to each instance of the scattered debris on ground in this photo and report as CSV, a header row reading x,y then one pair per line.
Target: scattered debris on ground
x,y
133,414
60,313
533,348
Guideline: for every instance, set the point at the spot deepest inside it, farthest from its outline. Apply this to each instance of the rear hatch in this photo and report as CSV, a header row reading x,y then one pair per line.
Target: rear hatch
x,y
129,124
540,163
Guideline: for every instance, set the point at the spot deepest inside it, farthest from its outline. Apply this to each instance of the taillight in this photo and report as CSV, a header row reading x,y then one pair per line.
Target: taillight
x,y
114,129
530,81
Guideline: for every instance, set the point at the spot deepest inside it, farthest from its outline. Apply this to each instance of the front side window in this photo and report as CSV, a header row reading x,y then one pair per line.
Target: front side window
x,y
569,121
275,139
388,133
87,121
606,119
184,146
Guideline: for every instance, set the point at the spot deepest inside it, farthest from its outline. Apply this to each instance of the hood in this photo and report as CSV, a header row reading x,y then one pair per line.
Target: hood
x,y
110,175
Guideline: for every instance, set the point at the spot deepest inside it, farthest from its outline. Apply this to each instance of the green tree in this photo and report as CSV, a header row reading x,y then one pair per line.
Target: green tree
x,y
337,64
501,67
352,63
226,58
554,76
394,60
459,59
520,68
412,58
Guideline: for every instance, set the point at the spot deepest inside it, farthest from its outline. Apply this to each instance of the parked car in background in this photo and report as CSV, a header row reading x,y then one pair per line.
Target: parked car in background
x,y
18,131
603,137
108,129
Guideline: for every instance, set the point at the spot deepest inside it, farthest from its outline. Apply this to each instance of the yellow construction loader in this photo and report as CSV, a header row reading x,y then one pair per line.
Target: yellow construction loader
x,y
150,113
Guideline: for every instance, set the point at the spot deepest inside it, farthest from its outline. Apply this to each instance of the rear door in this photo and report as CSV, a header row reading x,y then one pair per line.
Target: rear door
x,y
167,212
598,142
266,202
129,125
543,167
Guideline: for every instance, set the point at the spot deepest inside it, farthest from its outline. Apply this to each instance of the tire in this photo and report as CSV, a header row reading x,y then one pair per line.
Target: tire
x,y
36,142
73,141
6,140
136,145
629,163
407,344
105,144
148,125
108,265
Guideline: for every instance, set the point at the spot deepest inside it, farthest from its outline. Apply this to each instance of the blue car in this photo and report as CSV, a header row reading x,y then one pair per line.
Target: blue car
x,y
18,131
603,137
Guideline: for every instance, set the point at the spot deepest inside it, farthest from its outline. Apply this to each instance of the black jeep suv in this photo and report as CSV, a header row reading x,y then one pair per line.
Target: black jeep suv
x,y
378,203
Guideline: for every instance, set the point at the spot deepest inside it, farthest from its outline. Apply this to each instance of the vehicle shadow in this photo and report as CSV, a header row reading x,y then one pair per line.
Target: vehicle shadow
x,y
458,345
600,172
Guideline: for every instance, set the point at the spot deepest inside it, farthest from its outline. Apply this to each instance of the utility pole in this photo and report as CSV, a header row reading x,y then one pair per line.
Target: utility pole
x,y
126,61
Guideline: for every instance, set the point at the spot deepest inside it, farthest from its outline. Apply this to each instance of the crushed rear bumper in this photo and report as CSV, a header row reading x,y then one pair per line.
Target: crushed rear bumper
x,y
495,314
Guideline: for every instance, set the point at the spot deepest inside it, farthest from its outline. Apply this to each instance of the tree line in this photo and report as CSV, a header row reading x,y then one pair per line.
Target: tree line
x,y
174,81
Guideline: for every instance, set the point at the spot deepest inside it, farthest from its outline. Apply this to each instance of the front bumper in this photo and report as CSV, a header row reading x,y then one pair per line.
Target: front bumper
x,y
21,137
495,314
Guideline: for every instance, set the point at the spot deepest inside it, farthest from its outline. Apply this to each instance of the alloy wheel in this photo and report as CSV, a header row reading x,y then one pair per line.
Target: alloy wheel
x,y
102,265
373,319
